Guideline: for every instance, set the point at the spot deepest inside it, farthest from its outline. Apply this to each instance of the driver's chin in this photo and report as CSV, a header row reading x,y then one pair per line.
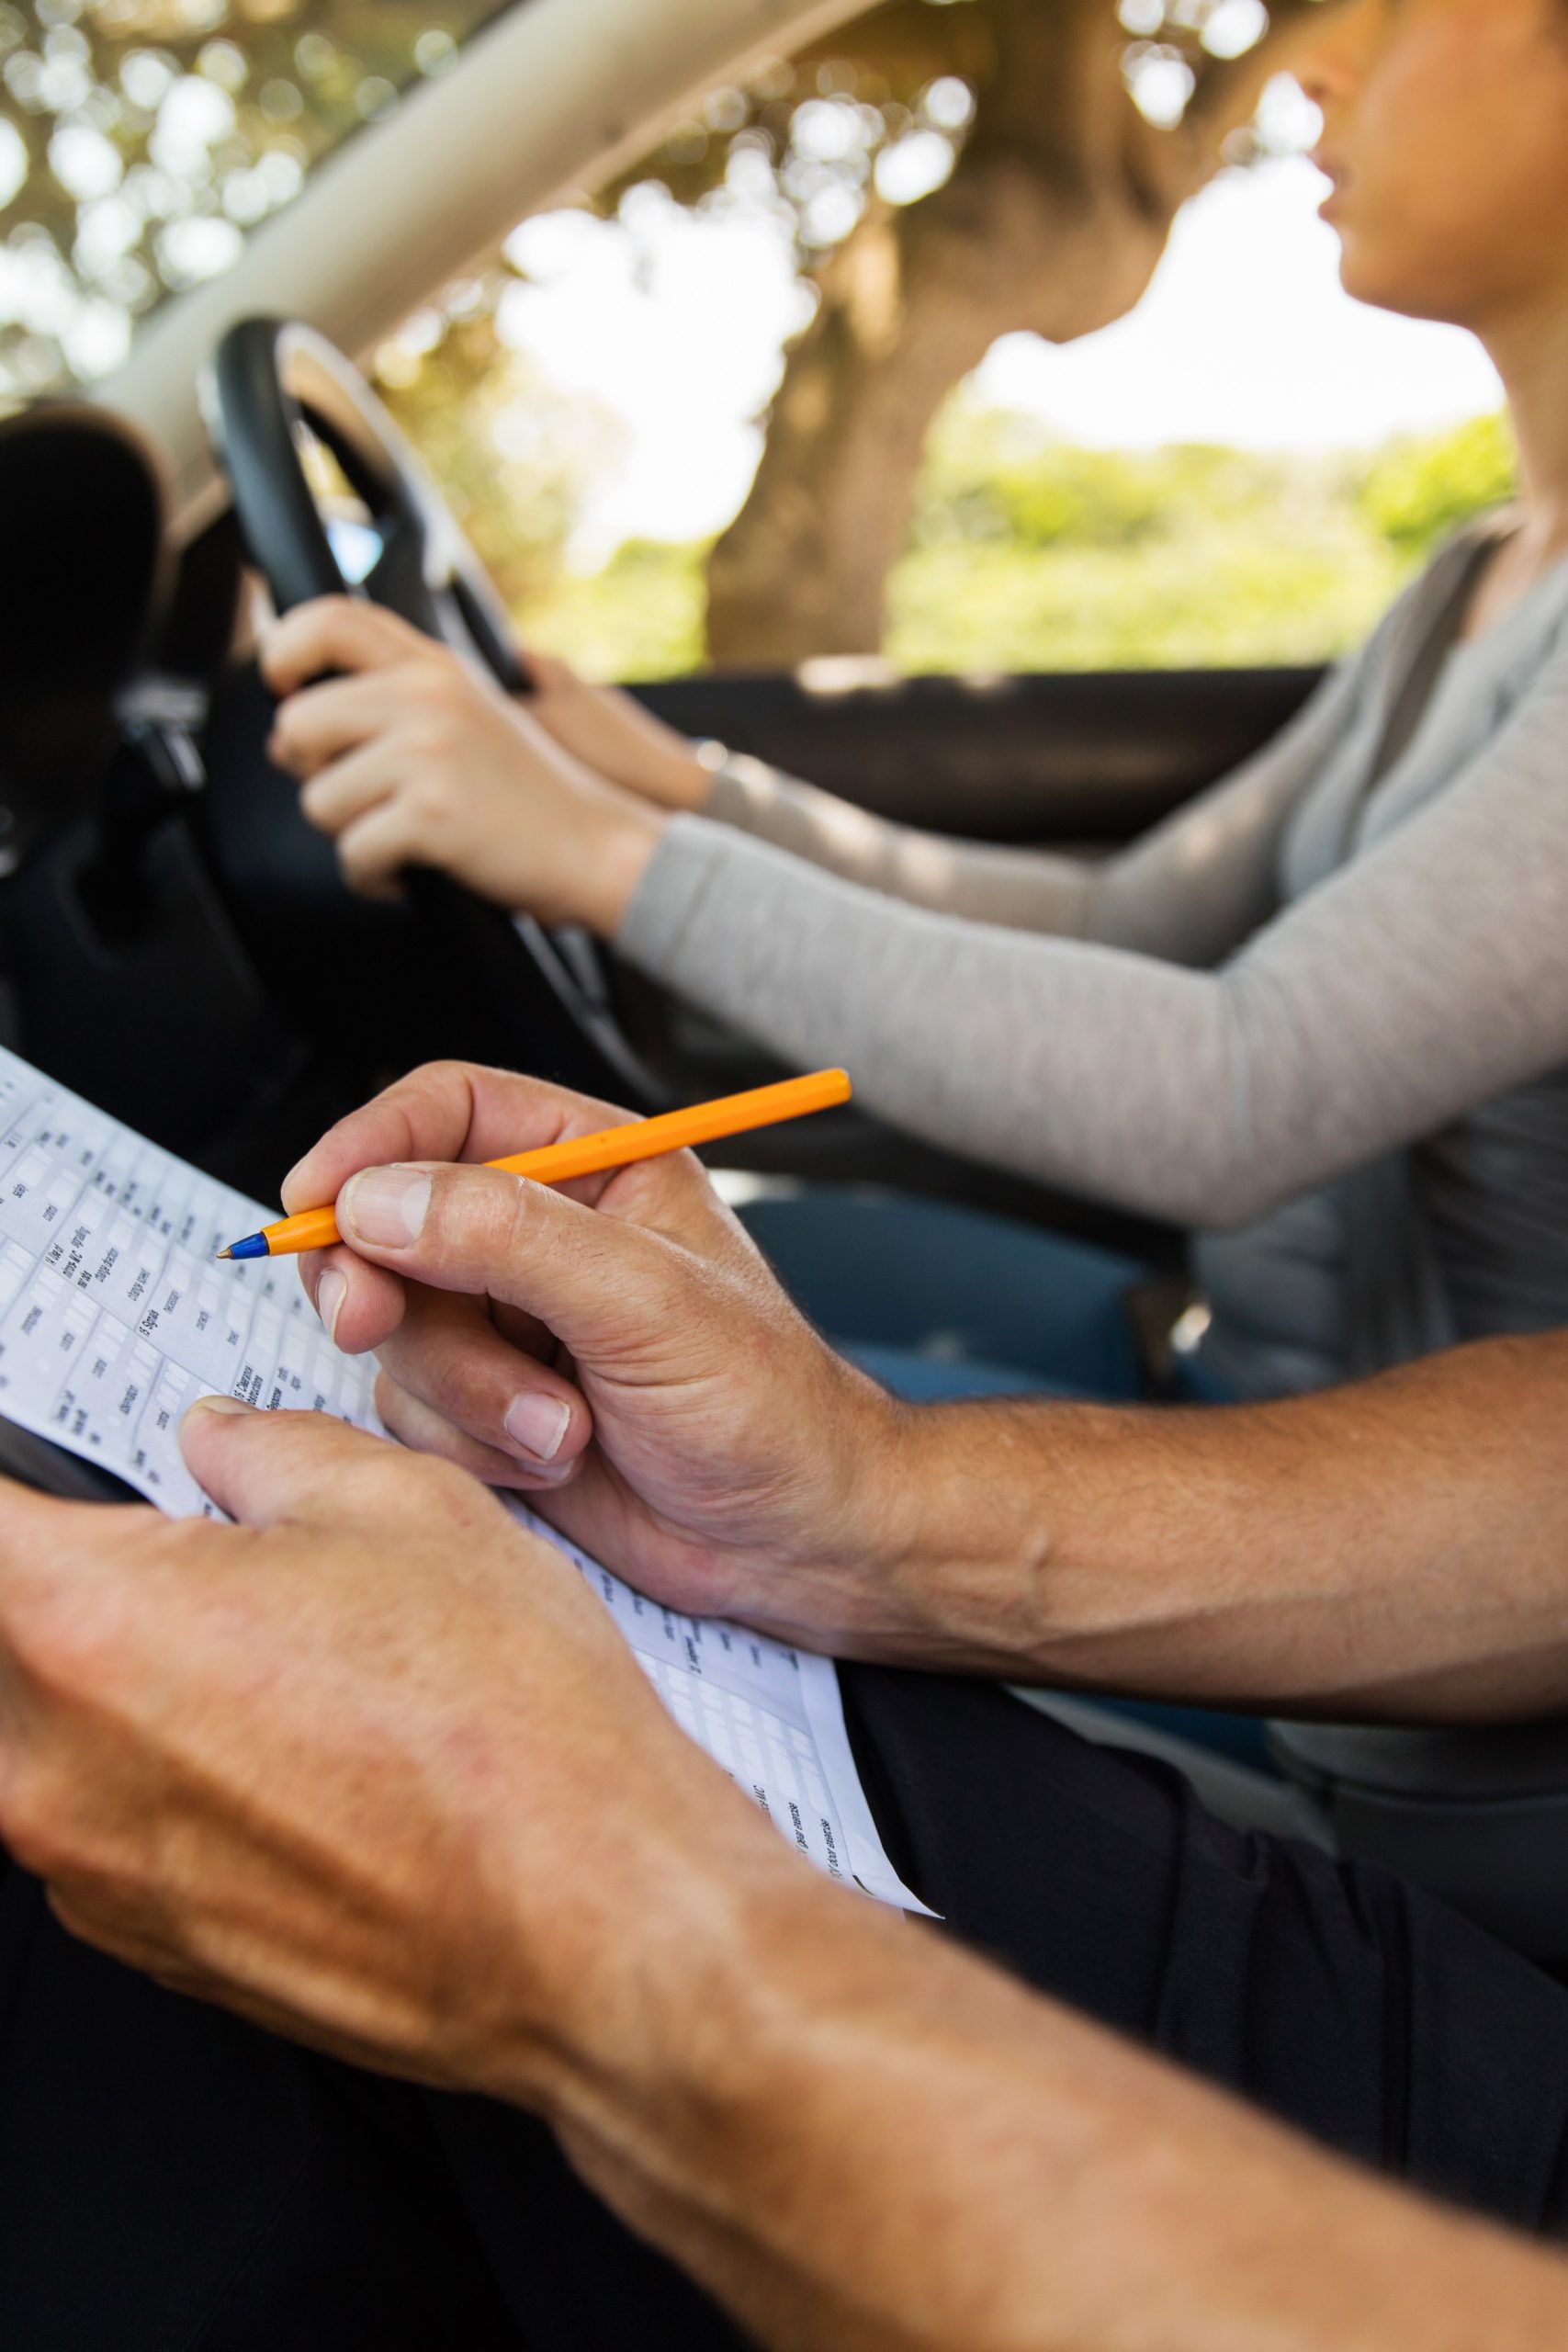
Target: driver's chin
x,y
1418,259
1375,271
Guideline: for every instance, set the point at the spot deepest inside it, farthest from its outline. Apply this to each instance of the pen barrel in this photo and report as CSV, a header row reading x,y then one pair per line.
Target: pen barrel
x,y
622,1147
704,1122
315,1229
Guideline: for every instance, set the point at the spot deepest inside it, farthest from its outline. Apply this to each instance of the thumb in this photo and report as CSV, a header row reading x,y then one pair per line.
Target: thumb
x,y
606,1288
266,1468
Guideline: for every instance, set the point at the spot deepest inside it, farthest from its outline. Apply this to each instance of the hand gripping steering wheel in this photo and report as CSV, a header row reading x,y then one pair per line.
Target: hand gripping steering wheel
x,y
282,402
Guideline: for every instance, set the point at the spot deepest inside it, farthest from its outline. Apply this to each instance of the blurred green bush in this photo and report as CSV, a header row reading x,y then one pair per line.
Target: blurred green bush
x,y
1418,492
1028,553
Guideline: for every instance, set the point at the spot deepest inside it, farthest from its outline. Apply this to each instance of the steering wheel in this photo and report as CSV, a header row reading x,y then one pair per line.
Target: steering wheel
x,y
292,420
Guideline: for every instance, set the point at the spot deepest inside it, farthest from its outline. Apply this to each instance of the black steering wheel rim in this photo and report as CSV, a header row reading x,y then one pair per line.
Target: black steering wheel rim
x,y
272,384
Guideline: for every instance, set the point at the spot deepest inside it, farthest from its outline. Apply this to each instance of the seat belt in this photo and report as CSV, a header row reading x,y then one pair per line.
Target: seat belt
x,y
1397,1309
1397,1304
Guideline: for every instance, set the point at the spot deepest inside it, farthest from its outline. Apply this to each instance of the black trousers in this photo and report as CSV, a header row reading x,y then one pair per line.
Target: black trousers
x,y
171,2181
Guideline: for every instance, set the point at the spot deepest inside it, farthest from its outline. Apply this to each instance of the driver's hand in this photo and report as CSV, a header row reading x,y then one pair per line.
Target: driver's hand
x,y
373,1767
407,756
620,1350
612,733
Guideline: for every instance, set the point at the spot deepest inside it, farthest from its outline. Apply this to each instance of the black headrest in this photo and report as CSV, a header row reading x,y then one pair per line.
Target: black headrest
x,y
82,589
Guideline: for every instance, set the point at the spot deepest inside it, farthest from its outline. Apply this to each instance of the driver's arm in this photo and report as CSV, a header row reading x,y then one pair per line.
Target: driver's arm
x,y
374,1769
1399,1549
426,758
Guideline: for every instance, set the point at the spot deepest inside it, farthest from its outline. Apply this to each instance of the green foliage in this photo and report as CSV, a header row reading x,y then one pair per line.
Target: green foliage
x,y
992,476
1418,492
1214,600
140,140
1031,554
515,456
1026,552
645,615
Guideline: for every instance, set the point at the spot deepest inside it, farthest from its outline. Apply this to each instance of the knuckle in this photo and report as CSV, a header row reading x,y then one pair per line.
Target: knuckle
x,y
442,1481
358,861
514,1202
441,1076
439,1487
34,1828
479,1215
61,1641
432,1087
389,1397
430,799
316,802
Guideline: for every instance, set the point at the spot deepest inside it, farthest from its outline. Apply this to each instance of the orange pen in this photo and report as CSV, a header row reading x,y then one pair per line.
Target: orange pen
x,y
558,1164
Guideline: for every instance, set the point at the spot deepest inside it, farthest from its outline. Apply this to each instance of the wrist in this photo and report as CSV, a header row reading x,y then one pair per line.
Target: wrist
x,y
629,1992
684,782
702,2017
948,1522
626,841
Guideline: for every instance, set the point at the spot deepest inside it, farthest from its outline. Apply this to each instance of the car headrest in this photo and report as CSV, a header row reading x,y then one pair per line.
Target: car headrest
x,y
82,592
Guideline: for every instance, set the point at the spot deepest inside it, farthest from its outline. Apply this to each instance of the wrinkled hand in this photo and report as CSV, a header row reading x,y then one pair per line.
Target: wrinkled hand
x,y
373,1767
612,733
411,757
619,1348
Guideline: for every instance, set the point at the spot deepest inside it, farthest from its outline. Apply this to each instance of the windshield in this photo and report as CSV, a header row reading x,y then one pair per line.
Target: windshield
x,y
140,140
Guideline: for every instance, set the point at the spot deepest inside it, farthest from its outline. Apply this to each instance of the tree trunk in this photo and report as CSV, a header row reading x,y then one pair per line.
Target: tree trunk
x,y
1053,221
904,318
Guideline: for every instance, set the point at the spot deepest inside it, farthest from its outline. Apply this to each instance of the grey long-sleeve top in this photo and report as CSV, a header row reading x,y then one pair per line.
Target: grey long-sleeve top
x,y
1291,978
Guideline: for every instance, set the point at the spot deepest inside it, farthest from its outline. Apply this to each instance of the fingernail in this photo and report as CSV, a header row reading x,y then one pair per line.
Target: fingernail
x,y
385,1205
330,1291
538,1424
219,1405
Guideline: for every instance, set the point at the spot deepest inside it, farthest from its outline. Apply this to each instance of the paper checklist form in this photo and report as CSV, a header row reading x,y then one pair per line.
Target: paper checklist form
x,y
116,1314
772,1715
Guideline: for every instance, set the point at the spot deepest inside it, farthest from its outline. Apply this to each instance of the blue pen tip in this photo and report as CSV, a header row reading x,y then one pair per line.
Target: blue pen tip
x,y
256,1247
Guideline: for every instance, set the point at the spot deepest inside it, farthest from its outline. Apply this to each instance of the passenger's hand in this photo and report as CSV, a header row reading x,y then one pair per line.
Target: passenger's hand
x,y
373,1767
408,756
612,733
619,1348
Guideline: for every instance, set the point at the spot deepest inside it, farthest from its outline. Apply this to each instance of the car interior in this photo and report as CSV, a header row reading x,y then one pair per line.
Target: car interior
x,y
176,942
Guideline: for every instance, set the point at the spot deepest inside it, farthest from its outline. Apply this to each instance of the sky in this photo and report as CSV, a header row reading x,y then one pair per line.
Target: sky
x,y
676,323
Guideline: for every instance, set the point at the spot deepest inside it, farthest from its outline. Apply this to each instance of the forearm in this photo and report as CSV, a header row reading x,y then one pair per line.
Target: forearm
x,y
1188,892
852,2134
1103,1072
1205,1097
1174,1093
1018,889
1394,1550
